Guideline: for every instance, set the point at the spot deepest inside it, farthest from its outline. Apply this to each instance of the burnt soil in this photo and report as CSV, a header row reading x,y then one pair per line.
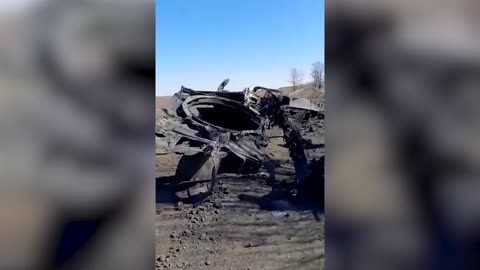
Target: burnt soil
x,y
249,222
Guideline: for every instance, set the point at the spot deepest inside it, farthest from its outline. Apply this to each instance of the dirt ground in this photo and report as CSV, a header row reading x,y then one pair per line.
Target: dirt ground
x,y
248,223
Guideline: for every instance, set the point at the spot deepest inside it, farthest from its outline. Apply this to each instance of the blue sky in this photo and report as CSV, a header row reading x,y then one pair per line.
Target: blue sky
x,y
252,42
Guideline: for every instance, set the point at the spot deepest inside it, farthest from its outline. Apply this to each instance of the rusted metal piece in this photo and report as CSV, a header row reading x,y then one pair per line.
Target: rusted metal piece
x,y
197,175
221,87
218,133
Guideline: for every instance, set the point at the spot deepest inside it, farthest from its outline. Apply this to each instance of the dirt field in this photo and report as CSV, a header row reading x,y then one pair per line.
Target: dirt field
x,y
248,223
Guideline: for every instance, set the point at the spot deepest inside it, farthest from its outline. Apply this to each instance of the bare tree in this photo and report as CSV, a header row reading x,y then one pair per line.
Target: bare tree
x,y
318,70
296,78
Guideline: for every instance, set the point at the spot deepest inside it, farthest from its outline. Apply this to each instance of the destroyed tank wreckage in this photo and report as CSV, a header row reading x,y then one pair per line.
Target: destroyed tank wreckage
x,y
224,132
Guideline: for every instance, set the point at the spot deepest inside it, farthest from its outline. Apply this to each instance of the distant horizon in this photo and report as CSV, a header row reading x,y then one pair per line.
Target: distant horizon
x,y
235,90
199,44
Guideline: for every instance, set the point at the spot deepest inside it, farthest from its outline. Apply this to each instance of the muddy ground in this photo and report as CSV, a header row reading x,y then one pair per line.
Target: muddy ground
x,y
250,222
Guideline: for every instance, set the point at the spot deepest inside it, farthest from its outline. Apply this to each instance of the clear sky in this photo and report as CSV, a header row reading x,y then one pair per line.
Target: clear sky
x,y
252,42
9,6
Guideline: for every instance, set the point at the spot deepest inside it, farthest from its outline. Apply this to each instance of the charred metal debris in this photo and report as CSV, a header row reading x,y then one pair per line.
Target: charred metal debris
x,y
225,132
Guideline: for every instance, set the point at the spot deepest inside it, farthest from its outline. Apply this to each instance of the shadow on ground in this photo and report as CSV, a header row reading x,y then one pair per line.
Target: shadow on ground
x,y
165,190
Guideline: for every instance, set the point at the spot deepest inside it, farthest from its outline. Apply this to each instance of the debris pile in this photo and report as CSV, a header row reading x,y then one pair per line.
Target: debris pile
x,y
226,132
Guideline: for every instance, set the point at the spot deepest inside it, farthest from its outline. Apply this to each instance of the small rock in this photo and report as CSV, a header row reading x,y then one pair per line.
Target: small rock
x,y
255,243
161,258
178,206
173,235
217,205
203,236
208,262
